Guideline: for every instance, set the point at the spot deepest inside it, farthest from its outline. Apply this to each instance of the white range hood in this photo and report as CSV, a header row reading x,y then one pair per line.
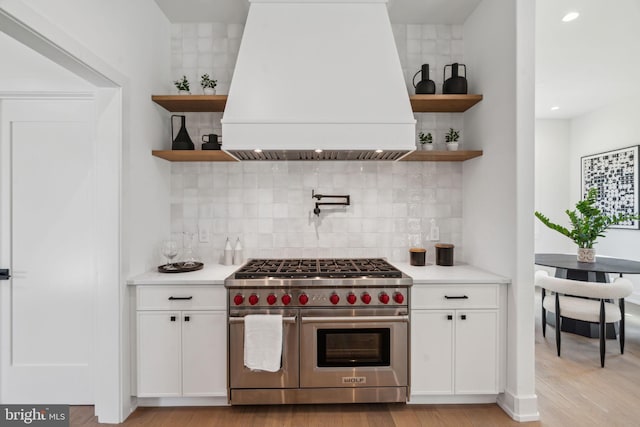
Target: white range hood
x,y
317,75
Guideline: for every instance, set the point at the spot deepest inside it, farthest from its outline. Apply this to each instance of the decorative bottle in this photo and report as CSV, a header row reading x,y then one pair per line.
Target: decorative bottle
x,y
228,253
237,253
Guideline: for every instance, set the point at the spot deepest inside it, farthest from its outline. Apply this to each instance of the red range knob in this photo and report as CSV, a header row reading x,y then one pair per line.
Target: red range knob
x,y
366,298
253,299
351,298
384,298
334,298
286,299
271,299
398,297
303,299
238,299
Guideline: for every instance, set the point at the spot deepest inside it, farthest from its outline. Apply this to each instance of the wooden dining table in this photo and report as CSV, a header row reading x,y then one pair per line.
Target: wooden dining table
x,y
568,267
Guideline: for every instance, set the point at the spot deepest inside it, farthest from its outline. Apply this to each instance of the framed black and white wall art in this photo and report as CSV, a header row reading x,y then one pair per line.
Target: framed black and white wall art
x,y
615,175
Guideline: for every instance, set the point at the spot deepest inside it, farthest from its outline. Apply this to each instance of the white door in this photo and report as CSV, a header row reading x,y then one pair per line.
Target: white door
x,y
432,352
159,354
47,239
476,352
204,353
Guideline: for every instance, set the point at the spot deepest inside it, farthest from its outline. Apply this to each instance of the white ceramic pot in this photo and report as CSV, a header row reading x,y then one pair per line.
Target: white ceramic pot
x,y
586,255
209,91
452,146
184,92
428,147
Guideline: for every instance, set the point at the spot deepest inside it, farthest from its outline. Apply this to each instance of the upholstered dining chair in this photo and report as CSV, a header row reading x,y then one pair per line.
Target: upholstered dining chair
x,y
566,303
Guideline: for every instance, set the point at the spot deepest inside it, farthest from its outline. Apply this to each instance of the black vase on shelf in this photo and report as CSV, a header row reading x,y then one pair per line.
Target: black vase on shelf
x,y
182,141
424,86
455,84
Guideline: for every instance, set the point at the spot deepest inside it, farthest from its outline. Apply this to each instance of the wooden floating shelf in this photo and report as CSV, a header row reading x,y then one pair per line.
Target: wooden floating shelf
x,y
216,103
194,155
191,103
441,156
443,103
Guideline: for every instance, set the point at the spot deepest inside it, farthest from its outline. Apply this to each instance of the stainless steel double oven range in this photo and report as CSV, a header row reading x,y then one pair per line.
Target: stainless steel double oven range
x,y
345,331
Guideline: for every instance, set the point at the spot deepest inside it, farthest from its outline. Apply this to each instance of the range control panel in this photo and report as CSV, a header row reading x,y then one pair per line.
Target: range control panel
x,y
360,297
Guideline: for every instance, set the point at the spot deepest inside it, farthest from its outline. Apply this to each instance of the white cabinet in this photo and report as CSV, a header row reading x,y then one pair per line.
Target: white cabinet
x,y
181,352
457,340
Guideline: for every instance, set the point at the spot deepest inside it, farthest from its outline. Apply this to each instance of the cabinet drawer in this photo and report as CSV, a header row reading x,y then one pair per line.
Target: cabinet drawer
x,y
455,296
190,297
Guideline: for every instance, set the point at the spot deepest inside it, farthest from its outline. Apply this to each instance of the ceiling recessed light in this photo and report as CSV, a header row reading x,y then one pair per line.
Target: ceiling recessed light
x,y
379,151
318,151
570,16
257,150
554,108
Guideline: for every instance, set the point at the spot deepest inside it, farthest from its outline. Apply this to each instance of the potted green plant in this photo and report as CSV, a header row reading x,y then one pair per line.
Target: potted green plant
x,y
182,85
588,224
451,139
208,84
426,141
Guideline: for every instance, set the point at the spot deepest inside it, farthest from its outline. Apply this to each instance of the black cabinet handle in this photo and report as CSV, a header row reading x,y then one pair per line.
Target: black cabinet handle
x,y
449,317
173,318
179,298
456,297
4,274
463,317
186,318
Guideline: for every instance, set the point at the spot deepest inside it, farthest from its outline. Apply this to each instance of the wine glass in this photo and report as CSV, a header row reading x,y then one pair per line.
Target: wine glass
x,y
188,255
169,250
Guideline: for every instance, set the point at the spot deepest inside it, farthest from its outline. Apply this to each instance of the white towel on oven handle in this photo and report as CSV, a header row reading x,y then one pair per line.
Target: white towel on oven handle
x,y
263,342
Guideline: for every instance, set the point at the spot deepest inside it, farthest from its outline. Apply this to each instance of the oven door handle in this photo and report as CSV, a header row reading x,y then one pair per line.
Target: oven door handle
x,y
241,319
356,319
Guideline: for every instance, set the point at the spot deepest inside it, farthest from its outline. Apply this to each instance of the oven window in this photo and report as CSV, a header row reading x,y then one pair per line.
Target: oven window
x,y
354,347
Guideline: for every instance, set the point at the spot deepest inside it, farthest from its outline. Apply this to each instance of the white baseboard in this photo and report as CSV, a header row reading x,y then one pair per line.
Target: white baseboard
x,y
183,401
520,408
431,399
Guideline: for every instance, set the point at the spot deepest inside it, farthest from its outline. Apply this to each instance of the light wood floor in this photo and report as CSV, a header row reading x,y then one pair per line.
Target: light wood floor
x,y
572,391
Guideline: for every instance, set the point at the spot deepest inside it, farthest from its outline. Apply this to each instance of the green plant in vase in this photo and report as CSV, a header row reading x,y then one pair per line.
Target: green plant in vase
x,y
426,140
588,223
208,84
182,85
451,139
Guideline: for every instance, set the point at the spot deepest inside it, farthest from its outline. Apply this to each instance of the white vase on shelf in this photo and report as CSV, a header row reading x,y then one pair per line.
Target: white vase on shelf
x,y
209,91
184,92
452,146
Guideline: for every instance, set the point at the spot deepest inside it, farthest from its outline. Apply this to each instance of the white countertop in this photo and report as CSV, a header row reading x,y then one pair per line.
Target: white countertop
x,y
460,273
214,274
211,274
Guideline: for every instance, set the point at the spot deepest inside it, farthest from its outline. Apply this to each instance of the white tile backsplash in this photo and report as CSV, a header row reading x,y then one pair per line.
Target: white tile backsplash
x,y
379,222
268,205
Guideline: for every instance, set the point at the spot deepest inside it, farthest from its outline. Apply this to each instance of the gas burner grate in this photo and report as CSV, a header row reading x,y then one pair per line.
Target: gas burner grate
x,y
321,268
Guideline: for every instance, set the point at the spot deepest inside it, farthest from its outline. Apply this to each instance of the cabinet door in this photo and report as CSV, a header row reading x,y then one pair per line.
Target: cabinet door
x,y
159,354
476,354
204,353
431,352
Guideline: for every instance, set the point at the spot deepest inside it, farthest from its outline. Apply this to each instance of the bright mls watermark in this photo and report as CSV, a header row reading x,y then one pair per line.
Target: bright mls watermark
x,y
34,415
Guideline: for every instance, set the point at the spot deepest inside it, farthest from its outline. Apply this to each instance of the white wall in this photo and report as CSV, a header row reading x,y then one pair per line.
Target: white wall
x,y
134,38
26,70
553,141
498,187
612,127
129,43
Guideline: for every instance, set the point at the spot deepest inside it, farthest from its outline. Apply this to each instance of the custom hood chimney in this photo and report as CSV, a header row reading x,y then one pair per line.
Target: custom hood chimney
x,y
318,79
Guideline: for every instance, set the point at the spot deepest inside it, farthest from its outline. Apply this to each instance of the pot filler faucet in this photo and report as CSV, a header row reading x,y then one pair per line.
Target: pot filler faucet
x,y
346,202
